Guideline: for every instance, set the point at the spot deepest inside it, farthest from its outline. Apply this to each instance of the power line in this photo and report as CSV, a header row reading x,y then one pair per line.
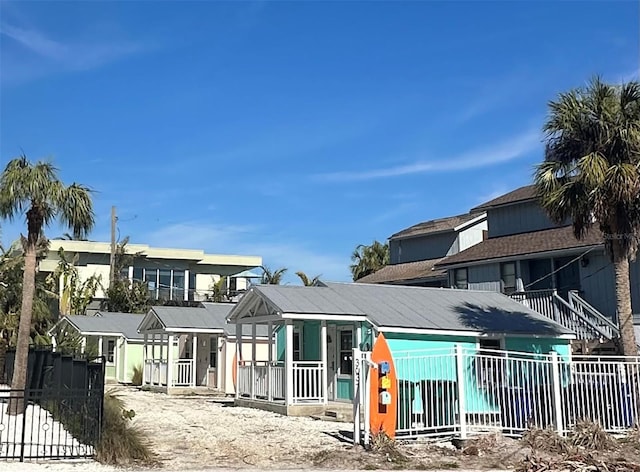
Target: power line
x,y
559,268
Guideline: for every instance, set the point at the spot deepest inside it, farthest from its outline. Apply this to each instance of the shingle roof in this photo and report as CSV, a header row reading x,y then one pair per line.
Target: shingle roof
x,y
434,226
211,316
125,324
518,195
396,306
405,272
553,239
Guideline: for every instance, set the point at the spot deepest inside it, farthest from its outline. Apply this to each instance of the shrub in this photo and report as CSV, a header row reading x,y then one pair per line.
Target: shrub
x,y
121,443
136,378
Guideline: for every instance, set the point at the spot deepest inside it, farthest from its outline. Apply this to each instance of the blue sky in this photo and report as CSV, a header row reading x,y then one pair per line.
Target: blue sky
x,y
294,130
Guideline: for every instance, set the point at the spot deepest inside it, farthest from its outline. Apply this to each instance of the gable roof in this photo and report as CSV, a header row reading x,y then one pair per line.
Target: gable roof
x,y
396,307
439,225
106,323
521,194
419,270
523,244
209,318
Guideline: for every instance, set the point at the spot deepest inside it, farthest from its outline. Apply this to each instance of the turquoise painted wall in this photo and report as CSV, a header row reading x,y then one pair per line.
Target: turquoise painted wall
x,y
344,390
442,367
311,340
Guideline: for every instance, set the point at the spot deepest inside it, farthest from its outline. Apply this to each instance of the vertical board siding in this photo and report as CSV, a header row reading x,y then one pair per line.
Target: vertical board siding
x,y
485,277
519,218
597,281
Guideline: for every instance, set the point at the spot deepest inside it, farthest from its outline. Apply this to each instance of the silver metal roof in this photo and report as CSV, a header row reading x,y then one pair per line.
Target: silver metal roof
x,y
209,317
392,306
125,324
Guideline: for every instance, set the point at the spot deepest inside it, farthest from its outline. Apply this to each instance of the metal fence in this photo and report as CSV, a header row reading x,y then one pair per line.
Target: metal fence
x,y
59,414
54,424
465,392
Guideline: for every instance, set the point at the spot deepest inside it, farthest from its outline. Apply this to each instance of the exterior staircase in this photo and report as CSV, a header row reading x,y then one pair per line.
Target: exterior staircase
x,y
575,313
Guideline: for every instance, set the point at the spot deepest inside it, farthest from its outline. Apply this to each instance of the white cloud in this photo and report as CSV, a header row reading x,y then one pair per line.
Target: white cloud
x,y
276,250
52,55
497,154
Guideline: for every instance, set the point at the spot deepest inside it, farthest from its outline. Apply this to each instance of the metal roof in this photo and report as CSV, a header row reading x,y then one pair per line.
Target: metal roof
x,y
209,317
125,324
403,307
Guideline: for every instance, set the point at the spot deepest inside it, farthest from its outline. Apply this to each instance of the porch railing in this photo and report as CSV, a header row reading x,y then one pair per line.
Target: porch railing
x,y
581,318
307,381
588,311
183,373
155,372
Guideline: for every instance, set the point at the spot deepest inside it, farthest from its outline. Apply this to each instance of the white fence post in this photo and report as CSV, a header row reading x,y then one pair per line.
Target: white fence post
x,y
462,413
366,380
557,393
357,394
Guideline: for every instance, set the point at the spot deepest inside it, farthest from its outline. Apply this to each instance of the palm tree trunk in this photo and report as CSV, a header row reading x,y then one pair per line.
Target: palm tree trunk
x,y
19,380
623,300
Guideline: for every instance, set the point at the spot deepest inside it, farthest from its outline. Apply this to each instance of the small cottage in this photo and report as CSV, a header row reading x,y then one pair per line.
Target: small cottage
x,y
315,329
198,346
112,335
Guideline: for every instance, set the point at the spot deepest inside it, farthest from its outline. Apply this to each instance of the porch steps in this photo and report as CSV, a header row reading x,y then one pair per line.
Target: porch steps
x,y
341,413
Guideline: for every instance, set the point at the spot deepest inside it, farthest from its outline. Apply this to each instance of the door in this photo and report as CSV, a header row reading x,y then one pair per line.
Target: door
x,y
567,278
202,360
332,350
343,390
540,273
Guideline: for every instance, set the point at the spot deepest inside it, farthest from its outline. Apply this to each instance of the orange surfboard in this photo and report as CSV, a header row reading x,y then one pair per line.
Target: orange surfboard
x,y
234,369
383,417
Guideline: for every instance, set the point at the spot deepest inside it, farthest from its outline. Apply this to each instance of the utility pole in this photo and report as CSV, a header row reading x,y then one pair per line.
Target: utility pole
x,y
112,259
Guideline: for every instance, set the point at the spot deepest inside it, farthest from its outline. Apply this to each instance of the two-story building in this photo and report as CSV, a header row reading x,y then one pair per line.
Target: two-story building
x,y
416,250
170,274
529,257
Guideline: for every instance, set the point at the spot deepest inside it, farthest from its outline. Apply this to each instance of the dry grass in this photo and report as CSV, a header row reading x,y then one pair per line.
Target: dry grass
x,y
136,378
121,443
383,444
545,440
592,437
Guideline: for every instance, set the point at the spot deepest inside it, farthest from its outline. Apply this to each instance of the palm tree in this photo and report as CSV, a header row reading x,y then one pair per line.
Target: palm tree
x,y
36,191
369,259
591,175
272,277
306,281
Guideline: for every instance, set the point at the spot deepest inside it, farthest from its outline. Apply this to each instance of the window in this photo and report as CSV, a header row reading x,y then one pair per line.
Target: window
x,y
460,279
296,345
164,284
233,286
489,363
177,289
111,349
213,352
151,278
346,352
508,277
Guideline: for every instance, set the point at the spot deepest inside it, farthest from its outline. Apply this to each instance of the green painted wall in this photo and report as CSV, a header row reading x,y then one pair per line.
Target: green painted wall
x,y
311,340
134,358
110,371
344,390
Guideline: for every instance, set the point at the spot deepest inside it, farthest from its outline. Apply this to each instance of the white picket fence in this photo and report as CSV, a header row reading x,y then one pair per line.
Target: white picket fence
x,y
465,392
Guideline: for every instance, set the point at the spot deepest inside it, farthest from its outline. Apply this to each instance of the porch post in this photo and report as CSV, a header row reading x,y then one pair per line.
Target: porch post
x,y
288,359
270,361
144,359
170,361
194,341
83,345
253,361
186,285
238,365
323,353
99,346
153,346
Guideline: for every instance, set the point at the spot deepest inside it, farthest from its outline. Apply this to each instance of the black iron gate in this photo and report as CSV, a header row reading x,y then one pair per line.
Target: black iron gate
x,y
60,411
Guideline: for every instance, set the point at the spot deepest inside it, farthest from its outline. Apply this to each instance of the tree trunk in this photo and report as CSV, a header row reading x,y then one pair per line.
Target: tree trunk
x,y
623,300
19,380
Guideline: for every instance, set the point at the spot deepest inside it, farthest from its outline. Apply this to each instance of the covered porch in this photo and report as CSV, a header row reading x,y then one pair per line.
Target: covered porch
x,y
309,361
180,350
